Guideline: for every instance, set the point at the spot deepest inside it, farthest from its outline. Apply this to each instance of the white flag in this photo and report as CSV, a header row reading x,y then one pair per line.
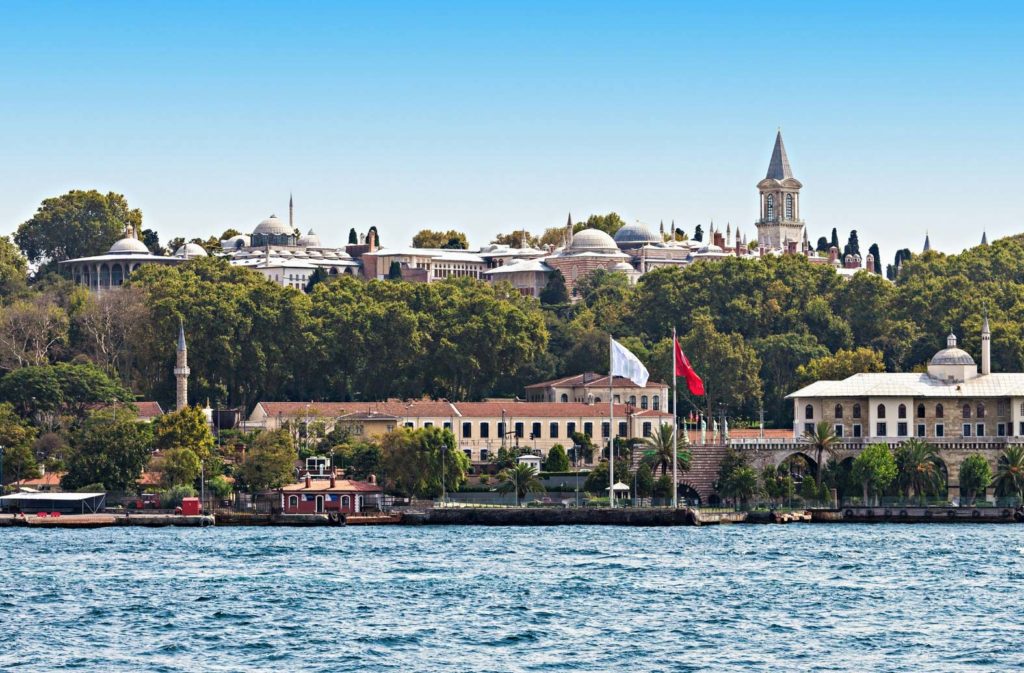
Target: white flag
x,y
626,364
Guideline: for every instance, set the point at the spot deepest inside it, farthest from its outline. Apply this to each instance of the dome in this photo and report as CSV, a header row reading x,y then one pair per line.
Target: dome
x,y
636,234
310,240
193,250
952,356
622,266
709,248
128,246
272,226
593,240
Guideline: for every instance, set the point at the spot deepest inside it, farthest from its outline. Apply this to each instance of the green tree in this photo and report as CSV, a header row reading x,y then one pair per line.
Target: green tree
x,y
919,469
17,438
219,486
555,292
557,459
151,240
395,270
609,223
597,480
32,330
178,466
50,392
13,268
412,461
975,476
440,239
644,480
736,479
185,429
660,447
269,463
76,224
353,238
822,439
841,365
877,256
1009,479
359,459
874,468
111,448
834,242
521,480
736,380
698,233
517,239
852,245
318,276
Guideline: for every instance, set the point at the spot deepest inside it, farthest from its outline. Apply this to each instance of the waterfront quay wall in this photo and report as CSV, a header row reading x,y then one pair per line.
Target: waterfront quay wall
x,y
549,516
862,514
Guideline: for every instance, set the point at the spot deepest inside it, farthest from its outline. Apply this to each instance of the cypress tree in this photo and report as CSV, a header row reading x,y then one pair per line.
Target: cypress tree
x,y
395,271
353,238
873,251
698,233
822,244
835,238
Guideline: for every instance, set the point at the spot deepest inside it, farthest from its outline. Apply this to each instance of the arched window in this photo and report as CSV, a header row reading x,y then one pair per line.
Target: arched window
x,y
565,398
938,411
643,402
881,411
789,206
345,501
769,207
656,402
293,500
920,411
808,414
856,411
632,400
901,411
981,410
839,414
967,411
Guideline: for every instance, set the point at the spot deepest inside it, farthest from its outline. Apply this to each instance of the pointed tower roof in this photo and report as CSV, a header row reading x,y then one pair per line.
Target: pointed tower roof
x,y
927,242
984,238
181,336
778,167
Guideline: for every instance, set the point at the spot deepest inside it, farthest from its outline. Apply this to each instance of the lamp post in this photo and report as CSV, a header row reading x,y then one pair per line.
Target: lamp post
x,y
1,470
444,449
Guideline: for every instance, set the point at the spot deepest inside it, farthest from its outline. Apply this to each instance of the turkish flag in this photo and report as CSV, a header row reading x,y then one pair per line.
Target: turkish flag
x,y
685,369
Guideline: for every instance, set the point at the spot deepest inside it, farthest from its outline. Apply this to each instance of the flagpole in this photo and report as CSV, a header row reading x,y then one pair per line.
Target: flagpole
x,y
611,431
675,423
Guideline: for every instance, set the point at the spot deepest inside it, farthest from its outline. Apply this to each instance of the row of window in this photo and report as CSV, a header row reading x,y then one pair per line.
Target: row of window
x,y
654,401
770,207
901,411
902,429
554,430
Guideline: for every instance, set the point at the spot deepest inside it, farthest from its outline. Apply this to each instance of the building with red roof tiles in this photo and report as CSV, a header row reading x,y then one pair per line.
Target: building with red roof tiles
x,y
48,483
593,387
324,496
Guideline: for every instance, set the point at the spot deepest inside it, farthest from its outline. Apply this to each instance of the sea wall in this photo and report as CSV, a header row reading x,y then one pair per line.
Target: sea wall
x,y
550,516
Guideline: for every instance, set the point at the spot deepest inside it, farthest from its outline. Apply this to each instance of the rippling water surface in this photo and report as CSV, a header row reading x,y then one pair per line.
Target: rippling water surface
x,y
797,597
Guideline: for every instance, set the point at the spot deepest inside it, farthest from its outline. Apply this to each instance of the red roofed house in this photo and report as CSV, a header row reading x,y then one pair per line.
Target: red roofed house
x,y
320,496
48,483
592,387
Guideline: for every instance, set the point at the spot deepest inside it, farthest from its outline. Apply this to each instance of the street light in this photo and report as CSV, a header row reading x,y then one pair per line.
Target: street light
x,y
1,470
444,448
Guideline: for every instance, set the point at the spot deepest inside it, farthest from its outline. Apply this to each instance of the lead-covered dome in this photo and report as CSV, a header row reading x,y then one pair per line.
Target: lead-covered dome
x,y
951,355
592,240
635,235
128,246
272,226
310,240
193,250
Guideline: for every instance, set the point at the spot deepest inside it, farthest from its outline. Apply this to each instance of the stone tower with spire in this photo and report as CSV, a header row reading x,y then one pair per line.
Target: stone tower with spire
x,y
780,220
181,371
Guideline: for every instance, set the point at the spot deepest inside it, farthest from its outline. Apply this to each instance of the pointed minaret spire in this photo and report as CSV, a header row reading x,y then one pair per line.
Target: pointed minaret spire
x,y
778,167
291,211
927,242
568,231
986,346
181,370
984,238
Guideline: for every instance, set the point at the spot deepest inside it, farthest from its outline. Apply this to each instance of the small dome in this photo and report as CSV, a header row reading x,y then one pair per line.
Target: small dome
x,y
310,240
709,249
952,356
622,266
193,250
593,240
128,246
635,235
272,226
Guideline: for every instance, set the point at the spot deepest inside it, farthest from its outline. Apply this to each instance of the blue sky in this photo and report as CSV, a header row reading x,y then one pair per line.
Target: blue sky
x,y
484,117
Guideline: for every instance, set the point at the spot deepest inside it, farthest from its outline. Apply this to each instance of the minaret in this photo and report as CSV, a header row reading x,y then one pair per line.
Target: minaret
x,y
986,347
568,231
291,212
181,371
984,238
927,243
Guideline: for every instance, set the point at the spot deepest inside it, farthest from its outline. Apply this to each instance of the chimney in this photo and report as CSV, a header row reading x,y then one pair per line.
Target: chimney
x,y
372,479
986,348
309,482
333,481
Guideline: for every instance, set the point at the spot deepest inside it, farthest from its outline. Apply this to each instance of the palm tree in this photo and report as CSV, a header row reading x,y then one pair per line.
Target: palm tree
x,y
522,479
822,438
659,450
920,468
1009,479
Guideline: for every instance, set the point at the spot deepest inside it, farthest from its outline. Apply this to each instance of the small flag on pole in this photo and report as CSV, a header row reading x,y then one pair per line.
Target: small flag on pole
x,y
685,369
624,363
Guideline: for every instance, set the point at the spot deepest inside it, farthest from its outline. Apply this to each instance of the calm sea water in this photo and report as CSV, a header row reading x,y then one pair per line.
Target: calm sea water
x,y
798,597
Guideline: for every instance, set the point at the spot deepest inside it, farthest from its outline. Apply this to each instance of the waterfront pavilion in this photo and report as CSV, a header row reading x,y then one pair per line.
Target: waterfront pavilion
x,y
65,503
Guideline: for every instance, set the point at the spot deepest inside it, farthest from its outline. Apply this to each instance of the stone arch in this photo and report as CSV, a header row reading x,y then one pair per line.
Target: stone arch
x,y
689,493
800,464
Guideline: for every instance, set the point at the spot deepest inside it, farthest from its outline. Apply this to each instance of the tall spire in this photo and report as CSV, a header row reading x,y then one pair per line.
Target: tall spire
x,y
291,211
927,243
181,336
778,167
984,238
181,370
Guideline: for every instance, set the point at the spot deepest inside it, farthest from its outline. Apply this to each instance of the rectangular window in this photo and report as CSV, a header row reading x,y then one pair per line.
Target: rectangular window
x,y
880,431
901,429
1001,429
520,429
618,400
501,428
484,454
553,430
647,433
856,432
469,454
967,429
920,429
570,429
428,424
535,431
623,430
467,430
980,430
410,425
808,427
447,425
605,429
588,430
485,430
940,430
839,433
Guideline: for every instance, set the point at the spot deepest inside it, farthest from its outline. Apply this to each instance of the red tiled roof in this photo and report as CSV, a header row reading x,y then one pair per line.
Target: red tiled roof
x,y
548,410
48,479
591,380
340,486
392,407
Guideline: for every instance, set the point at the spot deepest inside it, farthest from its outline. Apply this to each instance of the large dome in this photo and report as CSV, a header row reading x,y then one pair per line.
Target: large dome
x,y
635,235
128,246
592,240
193,250
952,356
272,226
